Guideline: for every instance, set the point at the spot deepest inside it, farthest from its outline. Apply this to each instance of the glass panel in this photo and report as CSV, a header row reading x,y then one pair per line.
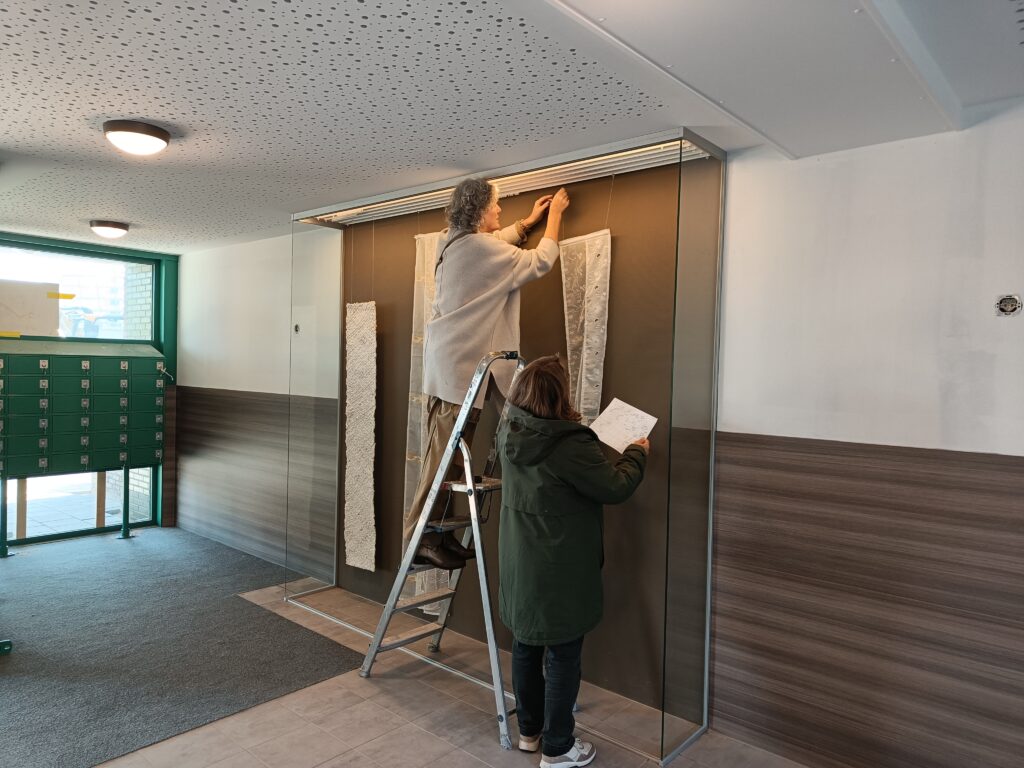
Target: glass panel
x,y
310,542
140,496
107,298
692,452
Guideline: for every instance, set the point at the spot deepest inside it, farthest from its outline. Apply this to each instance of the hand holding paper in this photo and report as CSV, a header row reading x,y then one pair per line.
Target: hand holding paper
x,y
621,424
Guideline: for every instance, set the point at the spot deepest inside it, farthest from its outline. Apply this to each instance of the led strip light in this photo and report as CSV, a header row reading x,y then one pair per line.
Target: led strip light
x,y
665,153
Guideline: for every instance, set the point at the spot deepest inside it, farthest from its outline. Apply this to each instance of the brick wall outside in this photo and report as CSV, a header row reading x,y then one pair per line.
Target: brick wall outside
x,y
138,301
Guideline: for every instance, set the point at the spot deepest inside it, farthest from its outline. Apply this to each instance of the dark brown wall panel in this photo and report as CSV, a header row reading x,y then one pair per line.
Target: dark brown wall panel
x,y
868,603
641,209
232,473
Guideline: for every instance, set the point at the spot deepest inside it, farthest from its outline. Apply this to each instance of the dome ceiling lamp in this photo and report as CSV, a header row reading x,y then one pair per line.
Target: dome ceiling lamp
x,y
109,229
135,137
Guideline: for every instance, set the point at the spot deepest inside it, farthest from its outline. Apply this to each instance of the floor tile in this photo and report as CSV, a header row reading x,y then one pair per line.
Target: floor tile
x,y
455,722
241,760
483,744
131,760
199,748
458,759
713,750
361,723
353,759
305,748
321,699
406,747
411,698
261,723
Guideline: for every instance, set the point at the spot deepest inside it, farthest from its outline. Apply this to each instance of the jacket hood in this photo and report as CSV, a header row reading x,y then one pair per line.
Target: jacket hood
x,y
530,440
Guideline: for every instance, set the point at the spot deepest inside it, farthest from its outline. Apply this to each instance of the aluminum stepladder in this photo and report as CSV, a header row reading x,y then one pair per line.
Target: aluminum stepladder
x,y
475,489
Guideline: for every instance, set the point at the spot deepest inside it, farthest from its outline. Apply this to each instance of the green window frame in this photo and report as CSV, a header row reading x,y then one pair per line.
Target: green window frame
x,y
165,287
165,320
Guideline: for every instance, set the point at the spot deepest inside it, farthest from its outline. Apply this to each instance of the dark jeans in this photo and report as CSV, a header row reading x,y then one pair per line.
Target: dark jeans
x,y
547,681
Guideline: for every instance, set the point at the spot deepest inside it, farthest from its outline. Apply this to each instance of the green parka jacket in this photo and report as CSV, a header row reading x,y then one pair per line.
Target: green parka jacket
x,y
555,479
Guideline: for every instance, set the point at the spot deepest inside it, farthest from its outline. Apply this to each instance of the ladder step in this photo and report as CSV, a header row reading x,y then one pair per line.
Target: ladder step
x,y
411,636
482,484
425,599
449,524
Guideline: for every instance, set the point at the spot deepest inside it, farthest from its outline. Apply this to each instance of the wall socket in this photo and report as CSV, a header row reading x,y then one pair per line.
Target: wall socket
x,y
1008,305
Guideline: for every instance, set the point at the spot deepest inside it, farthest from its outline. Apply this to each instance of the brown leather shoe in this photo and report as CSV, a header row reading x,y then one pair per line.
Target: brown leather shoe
x,y
434,553
451,542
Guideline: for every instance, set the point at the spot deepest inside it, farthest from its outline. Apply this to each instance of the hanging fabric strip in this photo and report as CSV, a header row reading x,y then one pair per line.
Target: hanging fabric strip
x,y
586,273
360,412
416,435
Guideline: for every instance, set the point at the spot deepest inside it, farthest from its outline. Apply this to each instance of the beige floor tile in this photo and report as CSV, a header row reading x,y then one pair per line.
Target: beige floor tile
x,y
596,703
351,759
410,698
612,756
304,748
261,723
455,722
406,747
321,699
241,760
265,596
131,760
458,759
198,748
362,723
713,750
483,744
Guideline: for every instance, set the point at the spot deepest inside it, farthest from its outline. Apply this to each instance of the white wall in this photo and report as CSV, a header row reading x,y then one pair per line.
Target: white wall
x,y
860,288
234,311
235,316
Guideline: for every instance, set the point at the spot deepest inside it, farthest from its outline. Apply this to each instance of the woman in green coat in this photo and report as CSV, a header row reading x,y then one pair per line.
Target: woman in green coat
x,y
555,479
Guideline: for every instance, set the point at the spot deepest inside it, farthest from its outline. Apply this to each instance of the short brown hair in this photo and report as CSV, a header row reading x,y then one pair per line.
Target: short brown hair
x,y
542,390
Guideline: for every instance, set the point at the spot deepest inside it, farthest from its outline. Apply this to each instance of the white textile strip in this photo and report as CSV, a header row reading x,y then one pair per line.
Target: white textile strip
x,y
360,412
586,273
416,435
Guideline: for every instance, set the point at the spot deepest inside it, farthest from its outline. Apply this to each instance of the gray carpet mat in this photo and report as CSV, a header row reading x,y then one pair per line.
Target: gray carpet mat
x,y
120,644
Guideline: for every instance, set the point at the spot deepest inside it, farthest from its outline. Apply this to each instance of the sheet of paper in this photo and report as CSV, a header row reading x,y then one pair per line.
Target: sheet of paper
x,y
621,424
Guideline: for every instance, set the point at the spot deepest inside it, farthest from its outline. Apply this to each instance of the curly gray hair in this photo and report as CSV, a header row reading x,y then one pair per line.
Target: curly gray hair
x,y
468,202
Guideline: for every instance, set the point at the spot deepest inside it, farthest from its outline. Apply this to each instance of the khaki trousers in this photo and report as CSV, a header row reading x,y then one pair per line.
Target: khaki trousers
x,y
441,416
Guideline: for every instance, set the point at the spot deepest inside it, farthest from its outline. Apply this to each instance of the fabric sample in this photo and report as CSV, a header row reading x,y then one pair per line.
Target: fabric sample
x,y
360,411
586,274
416,435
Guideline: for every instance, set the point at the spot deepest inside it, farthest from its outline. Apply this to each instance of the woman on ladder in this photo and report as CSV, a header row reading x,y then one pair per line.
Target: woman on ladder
x,y
479,272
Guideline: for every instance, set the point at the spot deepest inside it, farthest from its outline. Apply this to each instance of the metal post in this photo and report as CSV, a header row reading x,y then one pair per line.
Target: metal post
x,y
3,516
125,532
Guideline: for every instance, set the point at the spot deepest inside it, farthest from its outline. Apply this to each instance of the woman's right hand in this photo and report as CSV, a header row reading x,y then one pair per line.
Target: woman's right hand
x,y
560,201
644,443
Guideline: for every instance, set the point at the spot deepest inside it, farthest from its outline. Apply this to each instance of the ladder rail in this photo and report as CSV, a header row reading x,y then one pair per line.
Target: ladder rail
x,y
485,600
453,580
435,487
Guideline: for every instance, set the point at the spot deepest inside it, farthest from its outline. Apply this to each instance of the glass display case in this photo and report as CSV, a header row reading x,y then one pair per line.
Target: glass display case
x,y
645,666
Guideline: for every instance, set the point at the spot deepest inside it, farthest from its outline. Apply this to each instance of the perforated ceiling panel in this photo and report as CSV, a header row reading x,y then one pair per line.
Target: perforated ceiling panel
x,y
281,105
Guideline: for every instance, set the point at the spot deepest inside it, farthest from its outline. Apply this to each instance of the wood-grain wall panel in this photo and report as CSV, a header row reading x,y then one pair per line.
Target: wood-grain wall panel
x,y
867,603
233,450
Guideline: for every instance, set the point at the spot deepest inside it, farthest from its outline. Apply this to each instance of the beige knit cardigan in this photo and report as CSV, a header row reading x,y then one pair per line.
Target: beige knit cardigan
x,y
476,308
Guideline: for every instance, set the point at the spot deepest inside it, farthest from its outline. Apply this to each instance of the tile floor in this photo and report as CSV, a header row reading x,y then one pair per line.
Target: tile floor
x,y
408,714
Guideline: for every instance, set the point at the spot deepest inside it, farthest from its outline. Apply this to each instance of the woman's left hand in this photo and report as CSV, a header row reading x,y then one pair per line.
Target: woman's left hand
x,y
539,208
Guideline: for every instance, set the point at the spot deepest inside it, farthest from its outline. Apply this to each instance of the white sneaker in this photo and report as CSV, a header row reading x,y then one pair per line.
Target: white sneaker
x,y
581,753
529,743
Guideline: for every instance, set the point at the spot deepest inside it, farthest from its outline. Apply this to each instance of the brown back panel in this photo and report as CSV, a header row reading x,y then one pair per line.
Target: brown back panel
x,y
867,603
641,209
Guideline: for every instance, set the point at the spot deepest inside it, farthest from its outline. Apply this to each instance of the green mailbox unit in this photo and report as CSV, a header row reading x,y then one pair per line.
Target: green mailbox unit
x,y
79,407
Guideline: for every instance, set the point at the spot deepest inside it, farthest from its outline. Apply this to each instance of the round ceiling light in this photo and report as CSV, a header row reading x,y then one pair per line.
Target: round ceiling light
x,y
135,137
111,229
